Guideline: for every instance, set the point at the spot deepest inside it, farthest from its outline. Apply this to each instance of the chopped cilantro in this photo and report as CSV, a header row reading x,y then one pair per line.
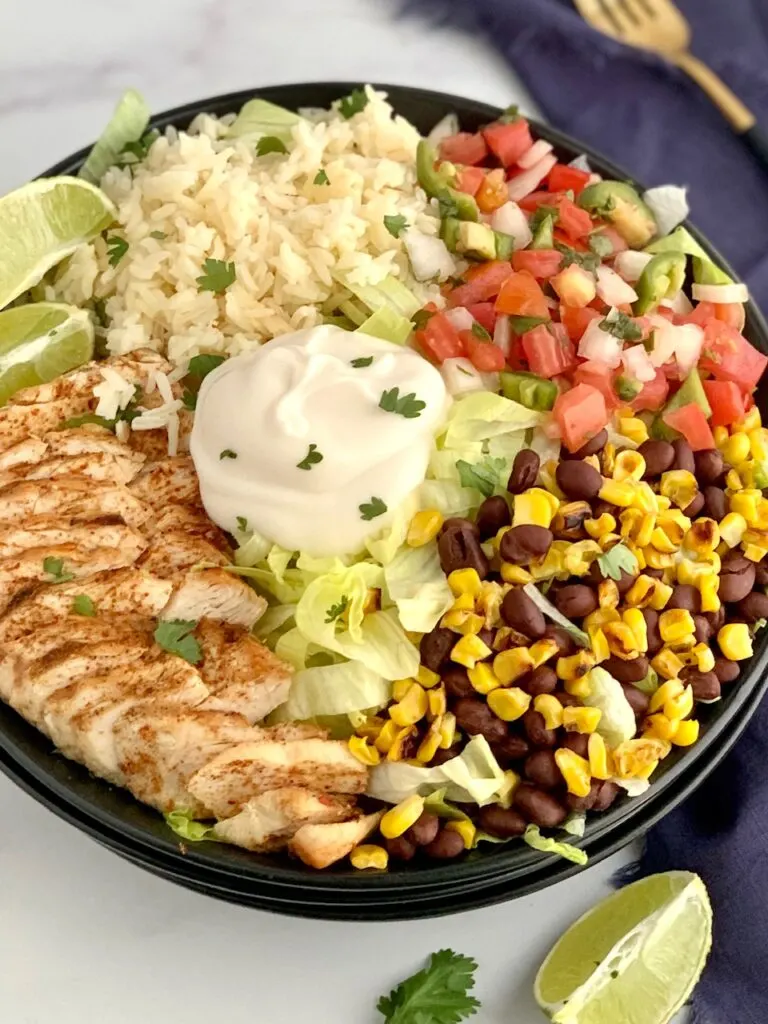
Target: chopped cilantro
x,y
621,326
83,605
353,104
438,994
217,276
55,568
599,244
421,318
361,362
117,247
159,235
522,324
175,636
619,558
483,476
242,524
409,406
311,459
321,178
227,454
395,225
270,144
372,509
480,332
337,610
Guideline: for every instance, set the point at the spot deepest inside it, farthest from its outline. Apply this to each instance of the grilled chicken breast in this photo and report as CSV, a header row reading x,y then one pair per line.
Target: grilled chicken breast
x,y
74,497
48,532
172,481
93,465
215,594
319,846
268,821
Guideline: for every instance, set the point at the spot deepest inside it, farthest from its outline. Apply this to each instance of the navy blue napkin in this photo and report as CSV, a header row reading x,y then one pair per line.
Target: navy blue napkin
x,y
642,112
649,118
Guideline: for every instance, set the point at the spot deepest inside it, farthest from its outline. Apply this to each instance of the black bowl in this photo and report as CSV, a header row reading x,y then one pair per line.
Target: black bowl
x,y
486,876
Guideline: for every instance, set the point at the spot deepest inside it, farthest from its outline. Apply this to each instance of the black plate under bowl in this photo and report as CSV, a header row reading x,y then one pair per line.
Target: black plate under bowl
x,y
486,876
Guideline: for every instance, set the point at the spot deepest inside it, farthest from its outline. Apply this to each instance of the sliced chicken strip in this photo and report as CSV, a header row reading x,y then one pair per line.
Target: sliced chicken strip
x,y
90,439
215,594
72,497
242,674
190,520
176,551
160,746
227,782
93,465
47,532
153,444
267,822
121,591
81,717
319,846
173,481
26,452
17,422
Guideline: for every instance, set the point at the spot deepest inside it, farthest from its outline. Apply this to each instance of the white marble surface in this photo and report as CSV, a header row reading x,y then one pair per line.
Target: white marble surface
x,y
84,936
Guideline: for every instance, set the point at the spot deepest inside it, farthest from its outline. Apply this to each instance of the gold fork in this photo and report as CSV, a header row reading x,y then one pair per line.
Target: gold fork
x,y
659,26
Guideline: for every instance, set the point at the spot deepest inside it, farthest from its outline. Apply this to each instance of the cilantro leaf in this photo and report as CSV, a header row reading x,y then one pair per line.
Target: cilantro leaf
x,y
217,276
409,406
395,225
87,417
522,324
621,326
311,459
353,104
227,454
242,523
337,610
117,247
618,558
483,476
321,178
438,994
599,244
540,214
361,362
159,235
174,636
200,366
83,605
139,148
55,568
373,509
586,260
270,144
480,332
511,114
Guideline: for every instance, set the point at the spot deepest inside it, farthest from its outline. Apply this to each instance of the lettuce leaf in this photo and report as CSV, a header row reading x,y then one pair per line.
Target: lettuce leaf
x,y
273,619
127,124
548,609
387,325
544,844
482,415
473,776
333,690
254,550
418,586
617,721
390,294
259,117
185,826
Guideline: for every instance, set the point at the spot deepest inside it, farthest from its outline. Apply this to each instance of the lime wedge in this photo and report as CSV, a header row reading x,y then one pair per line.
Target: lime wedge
x,y
634,958
40,342
43,222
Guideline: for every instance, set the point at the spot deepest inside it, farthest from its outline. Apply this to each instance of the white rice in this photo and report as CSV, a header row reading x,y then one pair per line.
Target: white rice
x,y
212,198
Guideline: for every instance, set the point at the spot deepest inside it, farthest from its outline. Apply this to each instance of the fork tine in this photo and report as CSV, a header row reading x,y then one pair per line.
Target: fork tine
x,y
613,11
594,12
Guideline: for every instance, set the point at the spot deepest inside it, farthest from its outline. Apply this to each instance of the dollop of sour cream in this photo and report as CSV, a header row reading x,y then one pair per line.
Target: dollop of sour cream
x,y
315,438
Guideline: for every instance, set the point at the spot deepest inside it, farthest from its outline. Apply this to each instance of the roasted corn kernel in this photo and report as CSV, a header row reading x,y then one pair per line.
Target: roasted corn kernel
x,y
608,540
736,448
633,428
680,706
369,856
400,687
618,492
427,677
466,623
608,594
660,727
542,651
534,507
598,618
489,603
599,643
506,790
629,465
607,461
509,703
687,733
550,708
745,503
708,587
634,758
705,659
599,764
512,664
751,420
575,771
575,666
672,688
721,436
463,603
465,581
597,528
466,829
395,752
469,650
733,480
667,664
621,640
483,678
579,687
645,498
386,737
641,592
675,625
584,720
436,701
579,556
424,527
691,572
429,745
365,752
515,574
661,595
411,708
679,486
400,818
637,526
447,730
735,641
635,619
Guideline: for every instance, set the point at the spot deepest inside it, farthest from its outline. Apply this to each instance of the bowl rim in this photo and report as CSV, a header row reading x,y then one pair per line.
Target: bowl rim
x,y
504,864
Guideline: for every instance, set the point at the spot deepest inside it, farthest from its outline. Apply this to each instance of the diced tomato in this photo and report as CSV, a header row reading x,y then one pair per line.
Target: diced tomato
x,y
576,320
653,395
508,141
564,179
470,179
547,351
727,401
600,377
690,421
572,243
730,313
492,192
439,340
541,263
575,222
581,414
728,355
484,355
464,148
575,286
485,314
701,313
666,313
521,295
481,283
536,199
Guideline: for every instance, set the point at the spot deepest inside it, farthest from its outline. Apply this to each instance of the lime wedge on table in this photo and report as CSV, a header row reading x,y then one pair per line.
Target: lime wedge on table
x,y
632,959
41,341
43,222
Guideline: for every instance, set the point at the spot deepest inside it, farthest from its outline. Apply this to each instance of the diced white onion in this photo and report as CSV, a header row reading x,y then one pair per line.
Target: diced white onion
x,y
539,149
613,289
461,377
637,364
631,263
502,335
581,163
460,318
523,184
511,220
690,338
601,346
679,303
444,128
668,205
721,293
429,256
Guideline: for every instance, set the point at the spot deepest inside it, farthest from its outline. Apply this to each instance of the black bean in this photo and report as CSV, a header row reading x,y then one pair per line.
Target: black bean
x,y
441,756
539,807
525,471
656,574
655,643
513,747
401,848
737,578
761,574
687,597
566,645
542,680
631,671
715,502
491,516
578,742
709,465
536,730
725,670
658,455
695,506
754,606
523,544
487,636
703,629
424,829
601,508
567,699
575,600
501,822
584,803
457,682
520,612
593,446
623,583
477,719
578,480
716,619
459,523
638,700
541,768
436,647
683,456
705,685
568,524
459,548
445,846
606,795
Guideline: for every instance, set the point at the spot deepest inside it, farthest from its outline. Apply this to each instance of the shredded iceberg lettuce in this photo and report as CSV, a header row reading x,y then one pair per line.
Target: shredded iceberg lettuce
x,y
418,586
333,690
482,415
185,826
127,124
390,293
617,721
544,844
548,609
388,325
260,117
